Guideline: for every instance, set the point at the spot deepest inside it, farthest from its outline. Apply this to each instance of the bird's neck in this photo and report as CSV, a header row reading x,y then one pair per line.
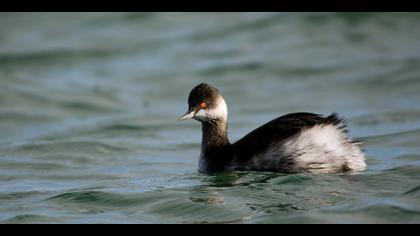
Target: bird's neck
x,y
215,147
214,134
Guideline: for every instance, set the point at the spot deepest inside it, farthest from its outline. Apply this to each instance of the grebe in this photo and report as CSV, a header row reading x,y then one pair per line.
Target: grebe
x,y
296,142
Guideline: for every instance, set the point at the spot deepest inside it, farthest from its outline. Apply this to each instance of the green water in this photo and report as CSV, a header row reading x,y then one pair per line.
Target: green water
x,y
89,105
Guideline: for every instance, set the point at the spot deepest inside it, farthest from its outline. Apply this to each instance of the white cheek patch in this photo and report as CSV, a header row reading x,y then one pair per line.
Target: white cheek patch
x,y
202,114
218,112
221,109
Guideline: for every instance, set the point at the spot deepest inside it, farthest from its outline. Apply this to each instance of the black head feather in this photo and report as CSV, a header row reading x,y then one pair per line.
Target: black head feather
x,y
203,93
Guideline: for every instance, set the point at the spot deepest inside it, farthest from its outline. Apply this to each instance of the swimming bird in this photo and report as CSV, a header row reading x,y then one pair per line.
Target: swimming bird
x,y
293,143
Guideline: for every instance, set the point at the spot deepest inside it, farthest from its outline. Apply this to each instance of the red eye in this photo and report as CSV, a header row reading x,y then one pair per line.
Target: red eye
x,y
203,105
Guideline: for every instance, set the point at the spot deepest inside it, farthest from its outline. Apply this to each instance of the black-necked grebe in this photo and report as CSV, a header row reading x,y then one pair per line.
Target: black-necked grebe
x,y
296,142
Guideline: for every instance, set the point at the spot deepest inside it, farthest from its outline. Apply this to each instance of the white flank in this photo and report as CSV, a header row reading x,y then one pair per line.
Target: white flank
x,y
324,148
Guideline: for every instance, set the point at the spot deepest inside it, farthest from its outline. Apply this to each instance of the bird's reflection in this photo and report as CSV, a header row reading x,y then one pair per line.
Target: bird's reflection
x,y
209,191
267,192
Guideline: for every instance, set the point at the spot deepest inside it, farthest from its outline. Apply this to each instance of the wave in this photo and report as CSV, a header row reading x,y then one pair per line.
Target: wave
x,y
41,57
73,147
96,198
31,218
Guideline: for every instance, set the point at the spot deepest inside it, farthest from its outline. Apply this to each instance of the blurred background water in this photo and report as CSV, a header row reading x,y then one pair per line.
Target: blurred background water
x,y
89,101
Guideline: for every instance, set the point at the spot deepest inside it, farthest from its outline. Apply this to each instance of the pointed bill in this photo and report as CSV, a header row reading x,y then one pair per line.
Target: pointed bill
x,y
188,115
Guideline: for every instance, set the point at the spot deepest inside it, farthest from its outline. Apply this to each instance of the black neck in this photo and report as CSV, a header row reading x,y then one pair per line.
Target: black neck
x,y
215,146
214,135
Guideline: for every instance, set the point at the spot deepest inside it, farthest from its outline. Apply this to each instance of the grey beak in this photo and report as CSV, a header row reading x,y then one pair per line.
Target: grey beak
x,y
188,115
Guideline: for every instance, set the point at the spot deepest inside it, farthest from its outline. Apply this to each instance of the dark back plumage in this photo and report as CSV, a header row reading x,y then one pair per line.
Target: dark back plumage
x,y
280,129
